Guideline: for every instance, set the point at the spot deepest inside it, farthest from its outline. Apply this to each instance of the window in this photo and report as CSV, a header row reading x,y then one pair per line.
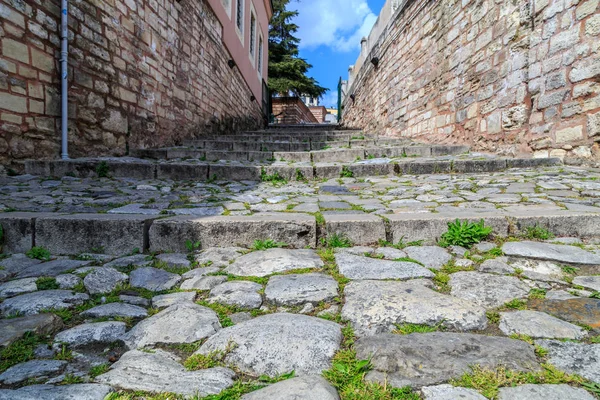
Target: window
x,y
239,15
227,6
260,55
252,34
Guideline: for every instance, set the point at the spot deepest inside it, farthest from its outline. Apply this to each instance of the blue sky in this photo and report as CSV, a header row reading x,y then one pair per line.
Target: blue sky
x,y
330,33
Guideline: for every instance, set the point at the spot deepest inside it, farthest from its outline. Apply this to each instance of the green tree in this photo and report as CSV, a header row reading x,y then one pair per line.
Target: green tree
x,y
287,71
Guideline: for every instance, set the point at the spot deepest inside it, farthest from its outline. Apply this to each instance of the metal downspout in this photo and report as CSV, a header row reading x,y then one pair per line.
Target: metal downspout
x,y
64,33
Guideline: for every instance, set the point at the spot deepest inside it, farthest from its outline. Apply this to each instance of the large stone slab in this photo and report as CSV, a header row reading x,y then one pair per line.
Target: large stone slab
x,y
539,325
449,392
552,252
18,230
487,290
33,303
278,343
292,290
218,256
589,282
578,310
376,306
430,256
422,359
358,267
166,300
574,358
170,234
34,369
51,268
41,324
112,310
17,263
311,387
85,391
271,261
91,333
79,233
17,287
243,294
361,229
180,323
153,279
160,372
103,280
543,392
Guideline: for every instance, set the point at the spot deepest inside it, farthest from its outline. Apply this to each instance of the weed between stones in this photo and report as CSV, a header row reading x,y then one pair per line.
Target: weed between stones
x,y
464,234
19,351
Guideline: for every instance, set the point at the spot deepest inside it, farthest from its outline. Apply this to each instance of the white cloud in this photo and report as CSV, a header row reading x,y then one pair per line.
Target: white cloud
x,y
330,99
338,24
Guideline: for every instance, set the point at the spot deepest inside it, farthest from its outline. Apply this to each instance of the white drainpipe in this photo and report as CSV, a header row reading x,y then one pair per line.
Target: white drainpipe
x,y
64,33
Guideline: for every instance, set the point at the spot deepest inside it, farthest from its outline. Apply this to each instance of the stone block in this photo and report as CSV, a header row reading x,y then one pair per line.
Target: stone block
x,y
593,124
586,8
13,103
234,172
155,154
375,169
570,134
182,171
37,167
424,167
18,228
138,170
16,50
292,156
429,227
184,152
560,223
290,172
552,99
218,145
592,26
448,150
532,162
383,152
171,234
300,146
80,233
361,229
260,156
246,146
585,69
419,151
328,171
565,40
345,155
215,155
475,166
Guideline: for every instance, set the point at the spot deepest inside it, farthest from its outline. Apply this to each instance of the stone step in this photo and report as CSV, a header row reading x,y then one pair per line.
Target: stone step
x,y
189,170
289,137
118,234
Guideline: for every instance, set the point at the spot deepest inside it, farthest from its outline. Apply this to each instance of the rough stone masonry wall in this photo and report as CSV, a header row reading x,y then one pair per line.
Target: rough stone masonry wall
x,y
142,73
504,76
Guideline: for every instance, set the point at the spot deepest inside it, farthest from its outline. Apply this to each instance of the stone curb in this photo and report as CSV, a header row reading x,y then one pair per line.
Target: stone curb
x,y
120,234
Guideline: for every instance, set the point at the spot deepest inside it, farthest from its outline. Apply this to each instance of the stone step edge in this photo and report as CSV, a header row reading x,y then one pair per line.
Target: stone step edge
x,y
120,234
315,155
203,172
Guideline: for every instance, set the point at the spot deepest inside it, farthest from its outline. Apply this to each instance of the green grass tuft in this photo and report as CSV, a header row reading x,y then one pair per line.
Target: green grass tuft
x,y
46,283
336,241
39,253
464,233
266,244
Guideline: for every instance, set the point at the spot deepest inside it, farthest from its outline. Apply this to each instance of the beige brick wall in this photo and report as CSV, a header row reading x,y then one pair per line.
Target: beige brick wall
x,y
504,76
141,74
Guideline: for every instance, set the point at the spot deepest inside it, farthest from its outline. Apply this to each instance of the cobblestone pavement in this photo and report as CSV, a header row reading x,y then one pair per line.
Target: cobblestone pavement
x,y
215,320
552,188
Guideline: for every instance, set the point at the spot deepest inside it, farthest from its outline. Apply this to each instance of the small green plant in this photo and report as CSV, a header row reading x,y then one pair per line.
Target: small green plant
x,y
102,169
465,233
300,176
266,244
64,354
537,232
567,269
273,178
212,179
592,387
98,370
595,295
493,316
205,361
495,252
46,283
537,293
407,329
516,304
192,246
71,379
336,240
39,253
346,172
19,351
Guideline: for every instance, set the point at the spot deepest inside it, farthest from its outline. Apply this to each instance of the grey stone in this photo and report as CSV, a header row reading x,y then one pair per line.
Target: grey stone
x,y
166,300
238,317
199,272
389,253
68,281
559,295
177,260
449,392
497,266
487,290
13,329
86,391
103,280
539,270
153,279
160,372
17,287
263,263
551,252
51,268
17,263
357,267
422,359
33,303
430,256
243,294
590,282
543,392
116,310
484,246
376,306
138,260
278,343
203,282
356,250
95,332
135,300
537,324
358,228
180,323
34,369
311,387
574,358
291,290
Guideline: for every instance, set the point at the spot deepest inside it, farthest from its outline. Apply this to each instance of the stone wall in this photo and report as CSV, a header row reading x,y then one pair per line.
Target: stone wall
x,y
142,73
292,110
504,76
